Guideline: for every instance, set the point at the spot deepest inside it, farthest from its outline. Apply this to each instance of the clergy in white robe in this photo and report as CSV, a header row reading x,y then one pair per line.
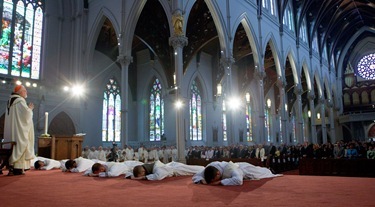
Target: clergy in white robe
x,y
19,127
129,153
174,154
42,163
79,164
93,154
111,169
229,173
159,170
102,154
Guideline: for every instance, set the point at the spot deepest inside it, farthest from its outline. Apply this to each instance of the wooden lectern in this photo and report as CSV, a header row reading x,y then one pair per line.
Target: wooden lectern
x,y
60,147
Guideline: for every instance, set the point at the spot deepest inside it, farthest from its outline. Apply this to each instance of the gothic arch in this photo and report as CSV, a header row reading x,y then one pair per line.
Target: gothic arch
x,y
244,20
306,72
294,67
62,124
93,35
220,25
201,84
131,24
275,53
316,80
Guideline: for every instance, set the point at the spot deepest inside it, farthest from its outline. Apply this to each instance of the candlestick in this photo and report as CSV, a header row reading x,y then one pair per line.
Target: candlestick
x,y
46,123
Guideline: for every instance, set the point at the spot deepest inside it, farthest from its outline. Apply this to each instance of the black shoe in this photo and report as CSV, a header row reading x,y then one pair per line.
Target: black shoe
x,y
272,171
18,172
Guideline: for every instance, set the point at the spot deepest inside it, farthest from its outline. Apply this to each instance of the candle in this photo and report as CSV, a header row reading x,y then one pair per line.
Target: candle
x,y
46,123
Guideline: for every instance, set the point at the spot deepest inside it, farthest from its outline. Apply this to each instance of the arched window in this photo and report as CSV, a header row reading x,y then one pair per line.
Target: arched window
x,y
267,124
315,44
224,121
21,38
249,128
156,112
366,67
195,107
267,120
288,18
111,129
294,134
303,31
270,6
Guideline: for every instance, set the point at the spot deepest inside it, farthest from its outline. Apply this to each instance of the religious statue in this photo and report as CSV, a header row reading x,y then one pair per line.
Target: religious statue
x,y
178,23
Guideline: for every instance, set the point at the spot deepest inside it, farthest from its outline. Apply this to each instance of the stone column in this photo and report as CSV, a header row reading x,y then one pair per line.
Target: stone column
x,y
332,121
298,91
178,42
311,97
125,62
323,117
226,63
260,75
283,111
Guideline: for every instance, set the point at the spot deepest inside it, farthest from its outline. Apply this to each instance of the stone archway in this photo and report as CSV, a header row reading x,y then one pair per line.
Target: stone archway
x,y
62,124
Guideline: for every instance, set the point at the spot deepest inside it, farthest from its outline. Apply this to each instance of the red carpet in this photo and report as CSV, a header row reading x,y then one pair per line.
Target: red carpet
x,y
55,188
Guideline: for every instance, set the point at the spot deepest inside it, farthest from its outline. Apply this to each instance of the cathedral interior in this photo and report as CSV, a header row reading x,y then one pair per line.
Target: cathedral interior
x,y
246,72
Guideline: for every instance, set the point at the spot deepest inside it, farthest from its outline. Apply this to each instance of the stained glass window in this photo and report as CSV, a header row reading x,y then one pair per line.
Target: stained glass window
x,y
294,134
156,112
21,38
366,67
280,127
111,129
267,124
224,121
195,107
249,129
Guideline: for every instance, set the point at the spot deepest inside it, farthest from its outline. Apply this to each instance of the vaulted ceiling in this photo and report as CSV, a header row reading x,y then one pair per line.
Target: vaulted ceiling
x,y
336,21
333,21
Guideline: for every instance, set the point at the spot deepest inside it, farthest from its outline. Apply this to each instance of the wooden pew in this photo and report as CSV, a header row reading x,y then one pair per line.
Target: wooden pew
x,y
204,162
337,167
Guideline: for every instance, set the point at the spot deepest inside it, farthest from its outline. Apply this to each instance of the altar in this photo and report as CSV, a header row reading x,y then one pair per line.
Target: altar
x,y
60,147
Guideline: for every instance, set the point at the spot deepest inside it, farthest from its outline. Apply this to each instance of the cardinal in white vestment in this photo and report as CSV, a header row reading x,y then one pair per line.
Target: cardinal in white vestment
x,y
19,127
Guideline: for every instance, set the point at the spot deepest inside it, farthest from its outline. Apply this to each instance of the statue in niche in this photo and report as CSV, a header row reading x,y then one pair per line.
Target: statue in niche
x,y
178,23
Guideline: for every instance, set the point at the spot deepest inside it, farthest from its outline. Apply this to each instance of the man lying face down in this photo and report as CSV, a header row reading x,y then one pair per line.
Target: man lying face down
x,y
111,169
229,173
159,170
77,165
41,163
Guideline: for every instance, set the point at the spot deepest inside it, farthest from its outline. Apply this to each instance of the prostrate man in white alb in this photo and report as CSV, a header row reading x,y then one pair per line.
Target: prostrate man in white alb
x,y
19,128
111,169
159,170
79,164
42,163
229,173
